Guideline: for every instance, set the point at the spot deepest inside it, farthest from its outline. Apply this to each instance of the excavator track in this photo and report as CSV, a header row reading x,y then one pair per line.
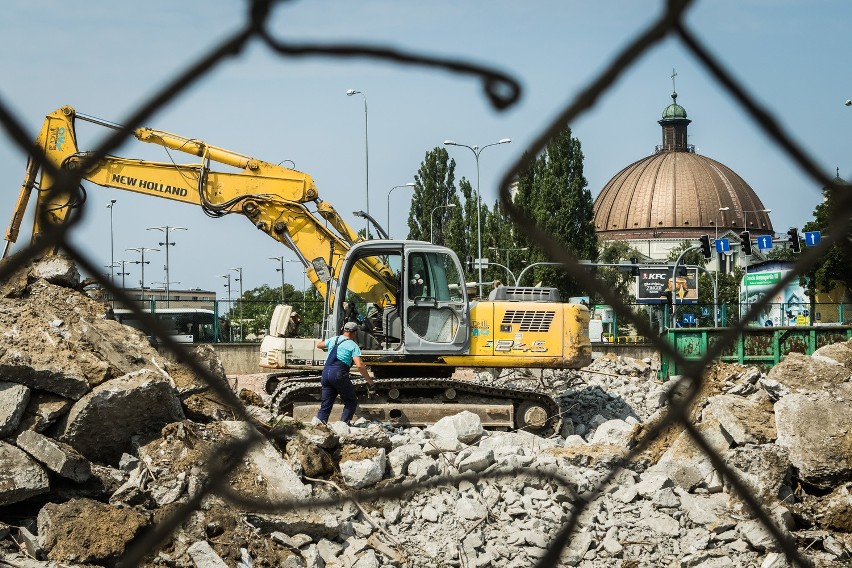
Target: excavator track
x,y
423,401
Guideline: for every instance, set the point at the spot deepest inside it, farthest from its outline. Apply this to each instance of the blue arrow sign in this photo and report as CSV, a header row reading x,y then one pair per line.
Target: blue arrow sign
x,y
688,319
723,245
812,238
764,242
705,312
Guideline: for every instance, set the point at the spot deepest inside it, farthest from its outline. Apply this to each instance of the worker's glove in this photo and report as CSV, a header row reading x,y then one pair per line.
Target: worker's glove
x,y
371,391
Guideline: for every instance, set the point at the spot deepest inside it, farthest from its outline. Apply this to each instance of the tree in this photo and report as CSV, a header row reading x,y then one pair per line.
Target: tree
x,y
618,280
256,306
554,193
435,188
833,269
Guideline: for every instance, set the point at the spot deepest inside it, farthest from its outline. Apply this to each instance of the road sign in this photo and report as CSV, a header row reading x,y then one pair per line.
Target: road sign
x,y
480,263
812,238
723,245
764,242
705,312
689,319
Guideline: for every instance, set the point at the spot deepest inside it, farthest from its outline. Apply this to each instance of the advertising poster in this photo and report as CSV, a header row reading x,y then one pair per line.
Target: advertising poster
x,y
655,281
787,307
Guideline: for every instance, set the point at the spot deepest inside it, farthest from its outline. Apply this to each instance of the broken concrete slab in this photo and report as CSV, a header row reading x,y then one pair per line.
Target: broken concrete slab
x,y
800,373
43,410
101,424
57,457
745,421
815,429
21,477
13,403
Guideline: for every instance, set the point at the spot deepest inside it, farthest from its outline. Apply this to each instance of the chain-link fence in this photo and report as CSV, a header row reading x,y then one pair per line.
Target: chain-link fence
x,y
502,91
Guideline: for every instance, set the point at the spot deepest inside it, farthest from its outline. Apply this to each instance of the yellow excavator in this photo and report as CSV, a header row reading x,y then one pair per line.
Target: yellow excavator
x,y
416,322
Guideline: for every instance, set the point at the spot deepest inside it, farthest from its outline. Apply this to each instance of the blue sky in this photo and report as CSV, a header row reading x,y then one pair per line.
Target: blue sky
x,y
105,58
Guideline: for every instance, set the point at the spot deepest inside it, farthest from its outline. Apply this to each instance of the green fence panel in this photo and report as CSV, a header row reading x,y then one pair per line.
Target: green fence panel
x,y
761,347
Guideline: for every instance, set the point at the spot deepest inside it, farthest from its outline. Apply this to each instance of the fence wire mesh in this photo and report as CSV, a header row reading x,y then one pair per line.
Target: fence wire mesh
x,y
502,91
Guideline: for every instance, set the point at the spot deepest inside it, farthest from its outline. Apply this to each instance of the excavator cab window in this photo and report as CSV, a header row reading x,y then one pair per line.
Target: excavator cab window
x,y
370,299
434,297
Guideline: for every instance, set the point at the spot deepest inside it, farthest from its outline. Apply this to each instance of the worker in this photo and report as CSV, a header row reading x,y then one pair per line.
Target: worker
x,y
335,373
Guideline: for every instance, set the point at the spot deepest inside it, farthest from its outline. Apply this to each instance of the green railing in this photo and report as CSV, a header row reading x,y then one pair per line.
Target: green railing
x,y
759,346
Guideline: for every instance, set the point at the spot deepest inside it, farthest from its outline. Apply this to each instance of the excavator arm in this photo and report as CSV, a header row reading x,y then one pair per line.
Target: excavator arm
x,y
274,198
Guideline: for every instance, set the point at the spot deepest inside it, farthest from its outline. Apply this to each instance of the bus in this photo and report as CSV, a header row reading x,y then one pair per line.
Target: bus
x,y
185,325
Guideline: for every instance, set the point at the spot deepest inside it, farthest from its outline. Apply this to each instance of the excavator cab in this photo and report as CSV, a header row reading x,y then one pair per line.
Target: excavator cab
x,y
408,298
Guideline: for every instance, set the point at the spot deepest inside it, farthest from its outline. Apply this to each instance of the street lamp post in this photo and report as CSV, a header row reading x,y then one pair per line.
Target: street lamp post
x,y
432,220
167,244
349,93
143,262
123,272
240,280
230,308
476,152
111,245
281,270
409,184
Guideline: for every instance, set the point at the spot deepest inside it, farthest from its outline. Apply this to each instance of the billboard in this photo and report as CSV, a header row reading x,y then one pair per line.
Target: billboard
x,y
787,307
654,281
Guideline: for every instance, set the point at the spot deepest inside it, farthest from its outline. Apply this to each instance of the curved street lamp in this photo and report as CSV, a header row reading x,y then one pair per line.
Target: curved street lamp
x,y
349,93
432,219
409,184
476,152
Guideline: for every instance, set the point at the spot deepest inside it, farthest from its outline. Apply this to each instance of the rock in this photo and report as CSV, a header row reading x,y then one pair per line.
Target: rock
x,y
745,421
83,531
264,462
800,373
59,270
43,410
836,510
367,560
320,523
765,470
815,428
423,468
476,460
529,443
466,427
57,457
373,436
841,353
21,477
614,433
328,550
13,403
400,457
470,509
101,424
362,473
313,460
684,462
203,555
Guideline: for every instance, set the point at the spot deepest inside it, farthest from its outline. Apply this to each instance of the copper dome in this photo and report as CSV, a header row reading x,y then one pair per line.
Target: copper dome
x,y
677,193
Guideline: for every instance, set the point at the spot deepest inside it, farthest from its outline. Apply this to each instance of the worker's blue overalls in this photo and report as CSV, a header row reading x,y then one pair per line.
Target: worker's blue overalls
x,y
335,380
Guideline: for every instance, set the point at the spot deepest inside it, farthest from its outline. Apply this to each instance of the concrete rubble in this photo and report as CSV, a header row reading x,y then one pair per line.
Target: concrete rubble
x,y
102,439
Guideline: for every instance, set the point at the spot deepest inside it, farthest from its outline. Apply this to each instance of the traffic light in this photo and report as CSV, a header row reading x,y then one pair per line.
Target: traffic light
x,y
634,270
705,246
468,263
745,242
795,244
